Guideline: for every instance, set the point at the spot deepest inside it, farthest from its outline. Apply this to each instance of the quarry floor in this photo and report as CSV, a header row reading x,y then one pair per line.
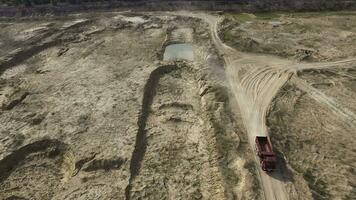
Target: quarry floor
x,y
89,109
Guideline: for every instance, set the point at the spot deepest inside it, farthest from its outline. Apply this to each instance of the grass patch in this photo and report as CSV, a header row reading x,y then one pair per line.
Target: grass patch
x,y
318,185
244,17
241,17
268,15
321,14
227,36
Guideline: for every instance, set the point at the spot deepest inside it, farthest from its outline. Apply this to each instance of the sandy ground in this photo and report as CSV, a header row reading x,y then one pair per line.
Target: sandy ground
x,y
324,36
253,92
89,109
322,89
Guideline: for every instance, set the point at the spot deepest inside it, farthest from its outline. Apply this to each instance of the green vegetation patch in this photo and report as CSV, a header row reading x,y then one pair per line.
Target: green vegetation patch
x,y
244,17
317,185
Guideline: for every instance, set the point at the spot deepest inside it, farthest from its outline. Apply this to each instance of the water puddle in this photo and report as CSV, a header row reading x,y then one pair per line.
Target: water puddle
x,y
179,51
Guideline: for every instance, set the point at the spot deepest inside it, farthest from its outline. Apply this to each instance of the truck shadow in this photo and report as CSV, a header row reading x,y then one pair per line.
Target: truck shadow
x,y
282,172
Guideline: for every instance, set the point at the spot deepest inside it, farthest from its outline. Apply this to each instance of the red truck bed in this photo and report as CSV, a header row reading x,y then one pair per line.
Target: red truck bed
x,y
265,153
264,145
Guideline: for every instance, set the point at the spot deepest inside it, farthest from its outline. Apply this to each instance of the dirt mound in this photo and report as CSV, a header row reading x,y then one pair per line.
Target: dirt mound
x,y
34,171
175,149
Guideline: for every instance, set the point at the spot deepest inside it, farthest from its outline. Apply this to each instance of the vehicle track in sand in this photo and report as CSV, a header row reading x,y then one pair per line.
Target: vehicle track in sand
x,y
254,83
341,111
255,80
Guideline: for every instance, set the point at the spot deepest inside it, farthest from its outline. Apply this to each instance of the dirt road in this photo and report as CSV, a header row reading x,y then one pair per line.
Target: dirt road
x,y
254,83
339,110
92,111
255,80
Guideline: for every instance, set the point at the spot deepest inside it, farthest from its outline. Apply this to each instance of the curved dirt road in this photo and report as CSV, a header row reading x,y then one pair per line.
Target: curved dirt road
x,y
254,80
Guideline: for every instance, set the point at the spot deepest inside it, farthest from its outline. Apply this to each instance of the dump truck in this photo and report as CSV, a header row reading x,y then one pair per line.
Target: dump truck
x,y
265,153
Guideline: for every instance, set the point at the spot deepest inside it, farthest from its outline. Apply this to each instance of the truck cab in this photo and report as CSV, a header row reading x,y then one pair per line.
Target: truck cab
x,y
265,153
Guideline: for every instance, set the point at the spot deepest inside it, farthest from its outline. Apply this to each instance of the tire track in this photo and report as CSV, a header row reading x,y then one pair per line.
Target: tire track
x,y
345,114
253,94
323,65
